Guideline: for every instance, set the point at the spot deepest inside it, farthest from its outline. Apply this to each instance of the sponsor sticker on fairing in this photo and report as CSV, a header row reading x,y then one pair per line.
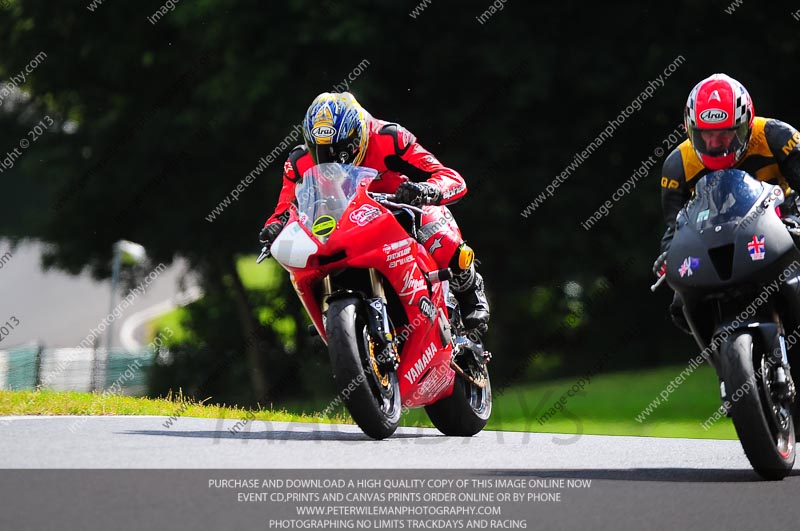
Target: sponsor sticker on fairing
x,y
419,367
427,308
401,261
688,266
389,247
436,381
323,226
757,247
398,254
364,214
412,285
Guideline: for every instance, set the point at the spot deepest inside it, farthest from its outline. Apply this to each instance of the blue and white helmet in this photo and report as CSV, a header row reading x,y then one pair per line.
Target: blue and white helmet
x,y
336,129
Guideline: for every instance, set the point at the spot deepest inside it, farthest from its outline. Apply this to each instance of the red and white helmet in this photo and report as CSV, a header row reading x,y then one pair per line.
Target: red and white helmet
x,y
719,104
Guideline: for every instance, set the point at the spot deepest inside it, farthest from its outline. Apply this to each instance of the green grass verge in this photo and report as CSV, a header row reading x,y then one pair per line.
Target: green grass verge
x,y
71,403
609,405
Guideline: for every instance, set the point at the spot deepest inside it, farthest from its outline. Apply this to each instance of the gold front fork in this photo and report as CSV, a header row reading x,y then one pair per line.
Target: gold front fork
x,y
377,285
327,289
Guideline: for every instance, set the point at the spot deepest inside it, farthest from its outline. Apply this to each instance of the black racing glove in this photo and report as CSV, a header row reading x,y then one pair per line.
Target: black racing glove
x,y
270,232
660,265
418,194
792,224
791,204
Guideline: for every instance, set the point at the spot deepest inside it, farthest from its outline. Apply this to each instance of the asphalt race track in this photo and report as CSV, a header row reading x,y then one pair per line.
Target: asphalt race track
x,y
145,442
636,482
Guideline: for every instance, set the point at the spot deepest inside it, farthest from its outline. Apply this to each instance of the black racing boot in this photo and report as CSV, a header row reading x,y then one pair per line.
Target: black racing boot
x,y
468,289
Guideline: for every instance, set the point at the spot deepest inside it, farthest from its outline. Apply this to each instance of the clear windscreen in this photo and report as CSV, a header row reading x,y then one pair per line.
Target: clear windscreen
x,y
324,193
722,197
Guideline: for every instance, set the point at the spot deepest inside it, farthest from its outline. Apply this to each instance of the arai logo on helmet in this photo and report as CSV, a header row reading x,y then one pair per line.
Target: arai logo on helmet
x,y
323,131
713,116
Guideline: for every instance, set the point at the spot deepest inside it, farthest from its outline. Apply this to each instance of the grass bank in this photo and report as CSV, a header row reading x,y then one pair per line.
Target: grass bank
x,y
608,405
72,403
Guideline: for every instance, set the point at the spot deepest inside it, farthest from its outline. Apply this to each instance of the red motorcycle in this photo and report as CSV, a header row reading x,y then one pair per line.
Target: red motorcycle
x,y
382,306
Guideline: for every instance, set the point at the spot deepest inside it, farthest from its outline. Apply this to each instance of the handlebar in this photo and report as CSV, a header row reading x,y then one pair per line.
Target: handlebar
x,y
264,254
387,200
658,283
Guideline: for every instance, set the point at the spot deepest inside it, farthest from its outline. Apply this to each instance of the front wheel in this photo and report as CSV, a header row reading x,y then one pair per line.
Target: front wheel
x,y
465,412
371,396
761,418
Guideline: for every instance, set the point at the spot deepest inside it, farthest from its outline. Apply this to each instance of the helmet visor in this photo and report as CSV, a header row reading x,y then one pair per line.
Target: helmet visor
x,y
719,142
343,151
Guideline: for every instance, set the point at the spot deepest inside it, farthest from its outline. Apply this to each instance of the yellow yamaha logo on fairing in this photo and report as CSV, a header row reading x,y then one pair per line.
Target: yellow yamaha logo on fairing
x,y
323,226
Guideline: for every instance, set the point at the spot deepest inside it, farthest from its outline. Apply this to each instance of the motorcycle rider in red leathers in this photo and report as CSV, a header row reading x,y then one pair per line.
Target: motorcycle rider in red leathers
x,y
337,129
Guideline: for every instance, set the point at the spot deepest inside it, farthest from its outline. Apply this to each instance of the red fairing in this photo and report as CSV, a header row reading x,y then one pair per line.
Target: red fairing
x,y
369,237
398,157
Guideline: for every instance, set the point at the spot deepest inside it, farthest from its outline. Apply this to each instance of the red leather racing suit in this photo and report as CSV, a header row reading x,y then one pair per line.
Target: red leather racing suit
x,y
394,152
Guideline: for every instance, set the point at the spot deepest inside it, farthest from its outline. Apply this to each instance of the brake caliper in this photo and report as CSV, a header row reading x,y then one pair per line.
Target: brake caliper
x,y
381,333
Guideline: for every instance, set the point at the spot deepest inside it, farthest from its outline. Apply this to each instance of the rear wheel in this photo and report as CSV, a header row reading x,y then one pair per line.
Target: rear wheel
x,y
763,420
371,396
466,411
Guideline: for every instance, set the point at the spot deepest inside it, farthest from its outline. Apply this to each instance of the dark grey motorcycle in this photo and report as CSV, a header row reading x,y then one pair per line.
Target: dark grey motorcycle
x,y
735,264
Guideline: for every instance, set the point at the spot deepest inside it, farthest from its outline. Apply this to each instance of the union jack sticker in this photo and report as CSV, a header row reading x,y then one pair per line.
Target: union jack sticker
x,y
757,247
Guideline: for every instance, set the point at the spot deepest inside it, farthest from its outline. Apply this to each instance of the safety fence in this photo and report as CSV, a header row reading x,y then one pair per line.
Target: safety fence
x,y
75,369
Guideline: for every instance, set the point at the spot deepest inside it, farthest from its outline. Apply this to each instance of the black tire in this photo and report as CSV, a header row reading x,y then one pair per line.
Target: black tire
x,y
373,401
465,412
796,410
768,443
